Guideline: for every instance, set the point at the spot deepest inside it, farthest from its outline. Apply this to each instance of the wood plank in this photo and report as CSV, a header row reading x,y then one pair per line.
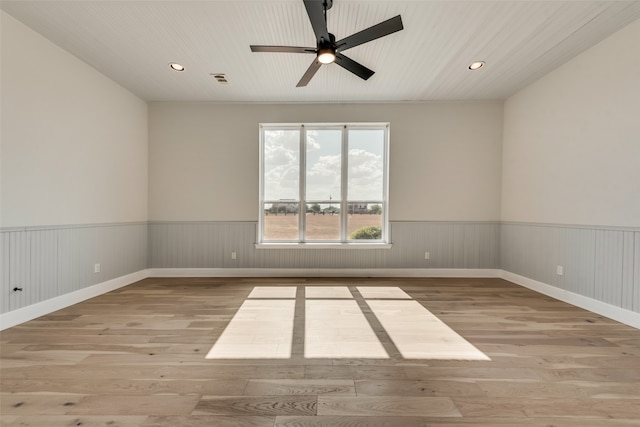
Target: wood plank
x,y
263,405
77,420
38,403
349,421
374,371
136,405
579,389
417,388
405,406
123,386
541,407
209,421
299,387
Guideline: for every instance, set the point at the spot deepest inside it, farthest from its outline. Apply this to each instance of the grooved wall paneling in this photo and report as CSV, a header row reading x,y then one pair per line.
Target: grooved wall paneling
x,y
5,281
608,265
628,270
49,262
636,274
576,253
210,244
599,263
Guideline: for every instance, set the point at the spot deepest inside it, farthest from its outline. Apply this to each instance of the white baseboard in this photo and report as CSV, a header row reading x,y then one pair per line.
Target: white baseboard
x,y
618,314
324,272
21,315
33,311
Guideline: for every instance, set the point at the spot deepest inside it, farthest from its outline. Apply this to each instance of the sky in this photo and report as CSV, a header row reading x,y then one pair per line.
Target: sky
x,y
282,163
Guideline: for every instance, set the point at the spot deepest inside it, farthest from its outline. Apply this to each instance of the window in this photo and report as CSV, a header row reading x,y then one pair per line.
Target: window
x,y
324,183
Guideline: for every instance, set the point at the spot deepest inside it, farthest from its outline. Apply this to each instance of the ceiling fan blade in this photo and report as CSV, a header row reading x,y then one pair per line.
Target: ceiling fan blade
x,y
315,10
308,75
282,49
379,30
351,65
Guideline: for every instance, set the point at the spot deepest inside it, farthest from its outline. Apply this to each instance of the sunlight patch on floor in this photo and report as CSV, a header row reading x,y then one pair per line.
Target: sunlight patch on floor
x,y
261,329
273,292
418,334
339,329
387,292
328,292
336,327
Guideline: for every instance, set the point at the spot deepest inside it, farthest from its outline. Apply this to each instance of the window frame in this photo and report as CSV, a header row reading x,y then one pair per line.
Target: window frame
x,y
344,202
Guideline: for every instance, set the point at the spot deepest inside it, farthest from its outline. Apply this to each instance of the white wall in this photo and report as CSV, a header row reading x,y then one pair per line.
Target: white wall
x,y
74,143
445,158
571,151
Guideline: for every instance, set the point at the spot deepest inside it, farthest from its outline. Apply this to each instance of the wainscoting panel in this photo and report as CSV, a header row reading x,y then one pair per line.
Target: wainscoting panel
x,y
75,255
628,270
5,282
636,274
239,237
43,265
576,253
47,262
211,244
608,266
597,262
188,244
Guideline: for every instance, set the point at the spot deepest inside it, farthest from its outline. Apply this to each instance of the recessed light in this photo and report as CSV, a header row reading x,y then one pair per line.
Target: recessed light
x,y
476,65
176,67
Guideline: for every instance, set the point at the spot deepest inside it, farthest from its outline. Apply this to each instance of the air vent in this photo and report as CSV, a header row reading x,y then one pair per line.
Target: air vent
x,y
220,78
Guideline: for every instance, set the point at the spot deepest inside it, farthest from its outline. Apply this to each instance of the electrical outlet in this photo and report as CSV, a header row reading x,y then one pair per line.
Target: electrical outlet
x,y
427,255
559,270
233,255
96,268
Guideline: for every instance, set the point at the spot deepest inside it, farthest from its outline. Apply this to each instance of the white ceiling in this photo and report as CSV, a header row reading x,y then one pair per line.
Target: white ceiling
x,y
132,42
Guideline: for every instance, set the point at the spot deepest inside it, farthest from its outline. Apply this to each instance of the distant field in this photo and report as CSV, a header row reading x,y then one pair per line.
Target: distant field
x,y
319,227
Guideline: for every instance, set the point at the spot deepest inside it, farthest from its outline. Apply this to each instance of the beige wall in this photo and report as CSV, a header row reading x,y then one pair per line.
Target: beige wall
x,y
74,143
445,158
74,146
571,150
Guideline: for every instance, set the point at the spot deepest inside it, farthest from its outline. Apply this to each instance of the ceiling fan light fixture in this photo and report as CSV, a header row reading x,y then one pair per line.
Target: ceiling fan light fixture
x,y
476,65
326,55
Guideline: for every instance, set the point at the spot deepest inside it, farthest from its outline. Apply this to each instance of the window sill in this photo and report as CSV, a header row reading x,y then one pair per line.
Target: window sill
x,y
319,245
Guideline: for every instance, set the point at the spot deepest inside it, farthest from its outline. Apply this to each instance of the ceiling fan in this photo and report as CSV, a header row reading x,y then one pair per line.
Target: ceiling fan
x,y
329,50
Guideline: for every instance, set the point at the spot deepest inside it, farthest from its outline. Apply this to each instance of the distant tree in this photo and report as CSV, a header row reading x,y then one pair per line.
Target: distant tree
x,y
331,210
376,209
315,208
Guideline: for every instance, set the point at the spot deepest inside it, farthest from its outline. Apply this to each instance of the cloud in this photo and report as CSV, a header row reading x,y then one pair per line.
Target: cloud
x,y
312,144
365,175
323,178
281,170
281,164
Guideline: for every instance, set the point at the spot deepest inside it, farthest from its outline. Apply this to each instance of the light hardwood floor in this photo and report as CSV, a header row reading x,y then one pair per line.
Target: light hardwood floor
x,y
136,357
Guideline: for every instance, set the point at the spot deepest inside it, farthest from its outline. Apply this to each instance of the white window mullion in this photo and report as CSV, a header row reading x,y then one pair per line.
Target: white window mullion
x,y
344,183
385,188
259,237
303,186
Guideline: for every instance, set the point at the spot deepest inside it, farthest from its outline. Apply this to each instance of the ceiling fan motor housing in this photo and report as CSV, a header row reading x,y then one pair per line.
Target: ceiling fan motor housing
x,y
327,44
